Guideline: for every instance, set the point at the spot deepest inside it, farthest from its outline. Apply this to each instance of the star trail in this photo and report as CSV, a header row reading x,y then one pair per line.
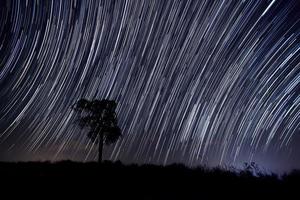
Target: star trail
x,y
197,82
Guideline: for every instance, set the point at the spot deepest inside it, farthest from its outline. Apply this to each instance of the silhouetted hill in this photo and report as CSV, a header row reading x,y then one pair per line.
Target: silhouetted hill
x,y
117,181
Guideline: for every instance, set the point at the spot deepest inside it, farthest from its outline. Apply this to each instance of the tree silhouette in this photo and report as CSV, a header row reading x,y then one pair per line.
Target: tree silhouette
x,y
100,118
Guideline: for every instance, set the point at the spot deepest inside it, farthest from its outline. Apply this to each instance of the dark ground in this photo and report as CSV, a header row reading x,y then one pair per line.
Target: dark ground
x,y
117,181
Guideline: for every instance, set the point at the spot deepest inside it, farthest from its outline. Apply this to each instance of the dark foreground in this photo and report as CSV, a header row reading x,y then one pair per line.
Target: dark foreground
x,y
117,181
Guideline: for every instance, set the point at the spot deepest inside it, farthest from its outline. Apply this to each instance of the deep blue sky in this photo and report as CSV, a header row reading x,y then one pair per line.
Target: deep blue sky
x,y
197,82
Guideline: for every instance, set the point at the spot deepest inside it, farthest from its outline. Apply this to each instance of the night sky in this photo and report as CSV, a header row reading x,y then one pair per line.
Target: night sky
x,y
197,82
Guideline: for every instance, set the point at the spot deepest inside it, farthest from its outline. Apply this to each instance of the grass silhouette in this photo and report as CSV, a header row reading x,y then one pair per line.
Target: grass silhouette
x,y
113,180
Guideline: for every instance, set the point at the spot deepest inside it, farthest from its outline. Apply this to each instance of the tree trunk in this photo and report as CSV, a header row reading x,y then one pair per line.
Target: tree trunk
x,y
100,147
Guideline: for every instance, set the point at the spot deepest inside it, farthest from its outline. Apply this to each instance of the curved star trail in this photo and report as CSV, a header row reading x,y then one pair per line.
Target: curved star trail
x,y
197,82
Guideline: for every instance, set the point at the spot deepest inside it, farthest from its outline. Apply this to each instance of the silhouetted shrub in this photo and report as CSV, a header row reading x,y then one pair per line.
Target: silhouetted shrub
x,y
174,181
